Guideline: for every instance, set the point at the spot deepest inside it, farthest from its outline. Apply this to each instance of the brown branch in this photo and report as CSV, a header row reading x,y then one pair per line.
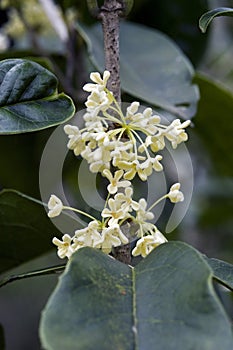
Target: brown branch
x,y
109,15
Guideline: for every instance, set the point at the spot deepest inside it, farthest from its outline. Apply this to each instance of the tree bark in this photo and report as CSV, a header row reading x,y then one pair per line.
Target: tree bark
x,y
109,15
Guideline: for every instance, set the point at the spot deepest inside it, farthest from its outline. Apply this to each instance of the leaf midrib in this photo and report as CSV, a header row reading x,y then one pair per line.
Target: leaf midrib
x,y
52,97
134,302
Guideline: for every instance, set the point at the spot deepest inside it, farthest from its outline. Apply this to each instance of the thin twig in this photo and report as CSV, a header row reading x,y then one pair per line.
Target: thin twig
x,y
41,272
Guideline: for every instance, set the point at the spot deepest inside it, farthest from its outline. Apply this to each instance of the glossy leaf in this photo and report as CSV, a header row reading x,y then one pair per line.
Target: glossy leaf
x,y
99,302
153,68
25,230
177,19
207,17
214,122
29,100
222,270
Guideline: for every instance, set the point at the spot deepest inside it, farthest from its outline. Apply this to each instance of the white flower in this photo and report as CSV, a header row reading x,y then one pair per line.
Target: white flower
x,y
142,213
97,101
131,112
144,121
112,236
55,206
115,212
175,195
147,243
88,236
64,247
143,169
157,166
132,168
99,82
127,201
76,142
175,132
115,182
156,143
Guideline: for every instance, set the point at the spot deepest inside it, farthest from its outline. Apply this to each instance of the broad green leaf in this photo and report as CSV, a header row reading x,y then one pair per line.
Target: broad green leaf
x,y
207,17
153,68
222,270
166,301
214,122
29,100
25,230
215,219
178,20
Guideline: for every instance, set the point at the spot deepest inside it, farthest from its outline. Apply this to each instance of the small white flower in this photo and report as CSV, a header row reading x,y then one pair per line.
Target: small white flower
x,y
142,213
156,143
55,206
64,247
97,101
115,212
76,142
127,201
175,195
112,236
88,236
99,82
115,182
157,166
143,169
133,167
175,132
131,110
147,243
73,133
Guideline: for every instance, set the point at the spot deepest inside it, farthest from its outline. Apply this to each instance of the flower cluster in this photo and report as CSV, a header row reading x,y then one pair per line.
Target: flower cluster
x,y
127,141
108,233
120,145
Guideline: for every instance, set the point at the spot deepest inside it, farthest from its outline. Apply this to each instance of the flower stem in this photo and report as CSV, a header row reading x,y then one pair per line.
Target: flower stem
x,y
157,202
80,212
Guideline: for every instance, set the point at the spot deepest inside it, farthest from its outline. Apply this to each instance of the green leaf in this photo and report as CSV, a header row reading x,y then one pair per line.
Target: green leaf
x,y
153,68
29,100
178,20
222,270
167,300
214,122
25,230
207,17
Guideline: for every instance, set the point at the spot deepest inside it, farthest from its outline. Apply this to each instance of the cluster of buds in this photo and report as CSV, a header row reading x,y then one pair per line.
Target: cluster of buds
x,y
119,145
